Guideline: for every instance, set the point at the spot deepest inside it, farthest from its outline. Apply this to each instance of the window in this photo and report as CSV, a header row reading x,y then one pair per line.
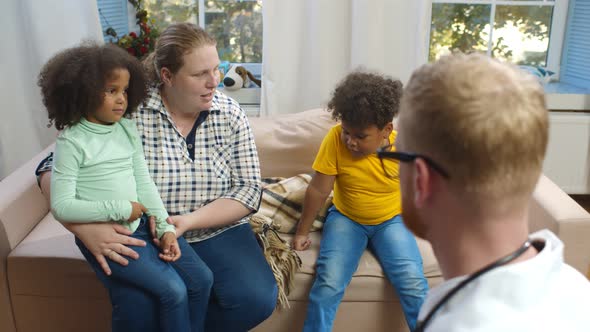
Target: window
x,y
235,24
525,32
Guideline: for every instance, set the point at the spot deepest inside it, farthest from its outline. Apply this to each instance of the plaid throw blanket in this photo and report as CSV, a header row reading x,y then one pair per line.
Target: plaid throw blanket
x,y
282,202
280,209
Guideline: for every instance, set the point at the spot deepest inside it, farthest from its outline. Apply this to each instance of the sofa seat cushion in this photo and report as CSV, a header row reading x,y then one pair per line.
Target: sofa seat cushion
x,y
59,269
368,283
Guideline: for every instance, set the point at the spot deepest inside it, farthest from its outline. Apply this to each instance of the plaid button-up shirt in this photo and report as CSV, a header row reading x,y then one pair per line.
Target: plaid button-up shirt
x,y
225,161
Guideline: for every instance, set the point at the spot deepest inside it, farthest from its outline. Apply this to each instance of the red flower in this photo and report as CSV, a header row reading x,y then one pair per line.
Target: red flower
x,y
133,34
143,50
146,40
131,51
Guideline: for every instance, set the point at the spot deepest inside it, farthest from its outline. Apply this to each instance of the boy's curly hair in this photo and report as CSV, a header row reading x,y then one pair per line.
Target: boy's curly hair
x,y
73,81
363,99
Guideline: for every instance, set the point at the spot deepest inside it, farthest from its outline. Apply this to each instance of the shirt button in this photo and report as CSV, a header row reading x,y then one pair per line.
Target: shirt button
x,y
190,146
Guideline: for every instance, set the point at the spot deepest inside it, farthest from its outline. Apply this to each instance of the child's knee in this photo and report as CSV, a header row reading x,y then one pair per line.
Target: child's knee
x,y
174,293
200,283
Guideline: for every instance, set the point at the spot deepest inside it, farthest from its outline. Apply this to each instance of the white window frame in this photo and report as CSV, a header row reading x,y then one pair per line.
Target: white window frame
x,y
245,96
254,67
558,25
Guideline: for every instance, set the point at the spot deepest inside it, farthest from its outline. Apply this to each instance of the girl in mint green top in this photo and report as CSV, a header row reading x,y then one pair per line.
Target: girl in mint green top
x,y
99,170
100,175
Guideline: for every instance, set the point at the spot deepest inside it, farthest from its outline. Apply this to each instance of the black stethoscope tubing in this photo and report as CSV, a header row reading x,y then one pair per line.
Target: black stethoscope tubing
x,y
421,325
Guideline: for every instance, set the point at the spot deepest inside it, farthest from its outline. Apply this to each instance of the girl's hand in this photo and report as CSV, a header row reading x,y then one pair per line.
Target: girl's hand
x,y
137,210
301,242
106,240
170,249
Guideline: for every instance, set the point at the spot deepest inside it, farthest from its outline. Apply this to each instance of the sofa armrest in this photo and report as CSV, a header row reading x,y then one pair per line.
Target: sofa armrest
x,y
22,206
553,209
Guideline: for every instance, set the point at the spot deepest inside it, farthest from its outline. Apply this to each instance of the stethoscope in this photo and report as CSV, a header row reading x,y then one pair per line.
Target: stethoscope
x,y
538,244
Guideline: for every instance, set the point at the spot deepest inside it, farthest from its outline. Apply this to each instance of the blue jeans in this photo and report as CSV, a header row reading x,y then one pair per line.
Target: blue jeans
x,y
179,290
343,243
244,290
243,293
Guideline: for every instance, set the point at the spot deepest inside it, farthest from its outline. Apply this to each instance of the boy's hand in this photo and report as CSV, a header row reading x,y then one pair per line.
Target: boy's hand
x,y
137,209
301,242
169,245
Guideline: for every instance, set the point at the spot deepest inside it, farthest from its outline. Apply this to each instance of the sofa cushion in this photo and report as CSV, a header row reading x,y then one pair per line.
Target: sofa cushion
x,y
288,143
368,283
369,266
60,270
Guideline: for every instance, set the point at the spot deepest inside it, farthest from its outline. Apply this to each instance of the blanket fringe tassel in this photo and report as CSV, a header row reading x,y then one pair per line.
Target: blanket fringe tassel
x,y
283,260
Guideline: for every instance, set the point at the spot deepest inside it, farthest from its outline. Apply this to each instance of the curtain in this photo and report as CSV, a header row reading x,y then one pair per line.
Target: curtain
x,y
310,45
33,31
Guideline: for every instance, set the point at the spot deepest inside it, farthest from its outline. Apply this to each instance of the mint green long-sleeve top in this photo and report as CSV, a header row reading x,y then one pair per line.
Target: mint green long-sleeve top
x,y
98,170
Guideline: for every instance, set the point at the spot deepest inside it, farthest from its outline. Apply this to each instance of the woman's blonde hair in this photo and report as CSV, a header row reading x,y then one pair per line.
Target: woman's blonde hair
x,y
174,42
483,120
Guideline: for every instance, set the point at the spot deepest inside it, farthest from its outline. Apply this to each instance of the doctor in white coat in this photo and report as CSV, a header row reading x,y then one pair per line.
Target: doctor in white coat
x,y
472,139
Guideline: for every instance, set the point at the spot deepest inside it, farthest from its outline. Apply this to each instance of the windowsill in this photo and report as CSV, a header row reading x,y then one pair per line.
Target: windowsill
x,y
248,98
563,96
244,96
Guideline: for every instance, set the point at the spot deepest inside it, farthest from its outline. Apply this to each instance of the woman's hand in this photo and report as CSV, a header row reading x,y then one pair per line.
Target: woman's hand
x,y
170,249
106,240
180,222
301,242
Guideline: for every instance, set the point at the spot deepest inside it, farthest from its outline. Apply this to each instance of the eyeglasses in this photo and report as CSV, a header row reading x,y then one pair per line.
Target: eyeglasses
x,y
390,168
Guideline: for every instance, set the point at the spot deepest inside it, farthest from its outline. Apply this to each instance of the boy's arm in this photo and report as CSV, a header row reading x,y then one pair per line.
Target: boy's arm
x,y
64,205
147,193
322,183
315,196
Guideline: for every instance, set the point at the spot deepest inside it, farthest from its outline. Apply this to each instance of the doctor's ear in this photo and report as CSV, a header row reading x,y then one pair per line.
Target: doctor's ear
x,y
422,182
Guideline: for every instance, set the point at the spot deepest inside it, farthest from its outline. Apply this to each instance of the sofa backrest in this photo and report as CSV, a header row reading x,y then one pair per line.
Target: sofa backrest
x,y
288,143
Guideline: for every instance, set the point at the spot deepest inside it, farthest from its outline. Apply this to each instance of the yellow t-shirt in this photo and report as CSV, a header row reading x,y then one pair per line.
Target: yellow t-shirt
x,y
362,192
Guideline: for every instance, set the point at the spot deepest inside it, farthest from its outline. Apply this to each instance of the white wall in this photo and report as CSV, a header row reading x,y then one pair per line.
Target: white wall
x,y
32,31
567,162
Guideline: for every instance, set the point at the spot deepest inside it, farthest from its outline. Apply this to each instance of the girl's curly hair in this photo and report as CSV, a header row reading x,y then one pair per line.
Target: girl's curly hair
x,y
73,81
363,99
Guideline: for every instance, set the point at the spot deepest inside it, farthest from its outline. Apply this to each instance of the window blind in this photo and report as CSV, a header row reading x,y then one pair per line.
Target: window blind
x,y
575,68
113,13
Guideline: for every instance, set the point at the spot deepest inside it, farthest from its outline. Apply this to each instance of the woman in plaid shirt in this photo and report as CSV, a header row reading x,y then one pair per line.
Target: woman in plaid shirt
x,y
201,154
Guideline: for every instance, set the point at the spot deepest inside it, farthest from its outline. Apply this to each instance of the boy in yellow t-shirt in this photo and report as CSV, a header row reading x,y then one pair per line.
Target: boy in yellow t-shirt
x,y
367,204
